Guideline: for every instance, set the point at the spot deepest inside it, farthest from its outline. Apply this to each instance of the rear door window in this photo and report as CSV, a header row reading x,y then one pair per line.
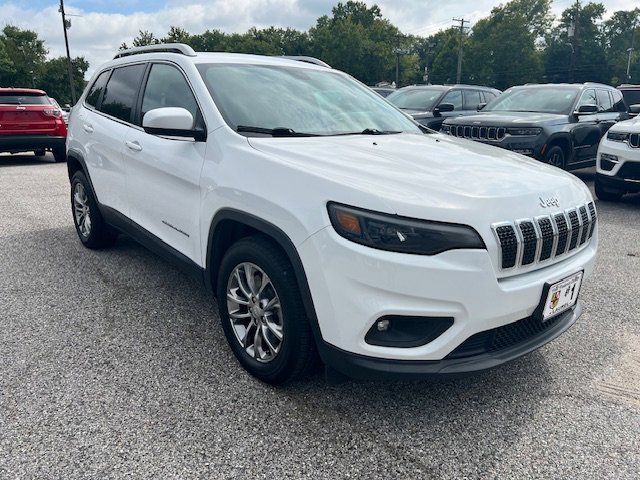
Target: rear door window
x,y
604,101
454,97
472,99
93,96
121,91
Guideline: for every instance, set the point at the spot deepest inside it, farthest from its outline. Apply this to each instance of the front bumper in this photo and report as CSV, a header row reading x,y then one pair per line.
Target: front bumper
x,y
362,367
354,286
26,143
625,174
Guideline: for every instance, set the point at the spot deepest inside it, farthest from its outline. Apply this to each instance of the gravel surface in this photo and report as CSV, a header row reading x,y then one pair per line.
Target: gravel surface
x,y
113,365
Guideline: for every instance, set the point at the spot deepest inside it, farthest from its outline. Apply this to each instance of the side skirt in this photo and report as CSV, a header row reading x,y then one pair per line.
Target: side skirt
x,y
125,225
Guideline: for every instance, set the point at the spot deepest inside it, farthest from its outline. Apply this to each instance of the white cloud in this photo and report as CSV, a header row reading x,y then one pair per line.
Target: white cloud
x,y
97,36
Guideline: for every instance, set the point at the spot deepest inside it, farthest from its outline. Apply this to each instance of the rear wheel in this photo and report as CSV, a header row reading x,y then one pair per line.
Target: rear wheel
x,y
60,155
555,156
92,230
262,313
607,195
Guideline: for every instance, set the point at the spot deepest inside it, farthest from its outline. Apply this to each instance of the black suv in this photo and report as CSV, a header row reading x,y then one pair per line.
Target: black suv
x,y
430,105
560,124
631,94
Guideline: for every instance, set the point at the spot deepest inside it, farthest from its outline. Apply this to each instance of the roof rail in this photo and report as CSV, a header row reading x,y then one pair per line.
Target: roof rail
x,y
303,58
180,48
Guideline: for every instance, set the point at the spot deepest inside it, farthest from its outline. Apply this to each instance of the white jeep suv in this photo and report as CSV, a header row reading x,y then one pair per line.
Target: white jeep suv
x,y
324,220
618,164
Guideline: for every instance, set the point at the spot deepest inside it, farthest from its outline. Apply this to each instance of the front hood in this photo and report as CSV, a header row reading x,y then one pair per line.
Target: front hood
x,y
628,126
509,119
427,176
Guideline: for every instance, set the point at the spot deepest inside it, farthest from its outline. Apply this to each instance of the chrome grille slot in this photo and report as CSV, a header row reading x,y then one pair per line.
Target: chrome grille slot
x,y
562,228
594,217
547,235
528,241
574,222
634,140
586,224
477,133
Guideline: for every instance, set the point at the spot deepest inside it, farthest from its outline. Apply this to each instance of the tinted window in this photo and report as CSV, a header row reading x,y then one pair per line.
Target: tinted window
x,y
604,100
23,99
120,93
628,97
472,99
588,98
488,96
96,89
416,98
167,87
454,97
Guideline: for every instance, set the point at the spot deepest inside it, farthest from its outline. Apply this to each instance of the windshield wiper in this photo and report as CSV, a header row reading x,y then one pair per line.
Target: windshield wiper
x,y
372,131
274,132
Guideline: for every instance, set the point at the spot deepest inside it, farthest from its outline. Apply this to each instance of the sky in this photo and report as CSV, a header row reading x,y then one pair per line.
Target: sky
x,y
104,24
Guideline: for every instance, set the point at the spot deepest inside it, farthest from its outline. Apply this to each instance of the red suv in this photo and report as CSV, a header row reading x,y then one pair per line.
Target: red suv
x,y
29,122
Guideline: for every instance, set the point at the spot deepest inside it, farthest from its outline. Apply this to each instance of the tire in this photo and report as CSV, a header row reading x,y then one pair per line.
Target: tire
x,y
267,358
59,155
555,156
40,152
91,228
607,195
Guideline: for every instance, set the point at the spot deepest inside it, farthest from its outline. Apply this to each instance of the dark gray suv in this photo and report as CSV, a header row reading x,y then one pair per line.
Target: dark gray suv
x,y
430,105
560,124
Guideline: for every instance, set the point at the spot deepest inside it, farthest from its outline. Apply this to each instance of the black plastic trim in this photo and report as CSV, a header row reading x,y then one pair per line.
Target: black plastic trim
x,y
283,240
27,142
368,368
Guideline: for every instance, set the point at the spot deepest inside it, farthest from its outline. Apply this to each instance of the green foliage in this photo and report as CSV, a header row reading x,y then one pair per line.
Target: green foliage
x,y
54,78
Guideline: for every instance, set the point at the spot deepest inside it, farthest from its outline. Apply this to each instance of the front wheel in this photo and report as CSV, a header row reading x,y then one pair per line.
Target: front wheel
x,y
262,313
92,230
555,156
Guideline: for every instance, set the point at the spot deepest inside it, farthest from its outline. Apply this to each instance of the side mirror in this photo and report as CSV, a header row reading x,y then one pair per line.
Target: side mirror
x,y
481,106
172,122
634,108
589,109
443,108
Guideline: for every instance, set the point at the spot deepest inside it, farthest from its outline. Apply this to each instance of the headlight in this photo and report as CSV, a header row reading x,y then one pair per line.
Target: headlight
x,y
524,132
618,136
401,234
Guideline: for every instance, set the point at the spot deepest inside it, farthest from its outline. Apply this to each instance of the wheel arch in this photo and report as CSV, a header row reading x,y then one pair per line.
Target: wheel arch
x,y
228,226
76,163
564,142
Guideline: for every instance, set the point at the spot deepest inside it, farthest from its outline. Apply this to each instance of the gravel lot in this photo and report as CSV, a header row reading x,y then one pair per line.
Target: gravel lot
x,y
113,365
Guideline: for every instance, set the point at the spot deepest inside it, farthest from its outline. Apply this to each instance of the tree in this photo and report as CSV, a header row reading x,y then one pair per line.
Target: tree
x,y
24,55
621,32
54,78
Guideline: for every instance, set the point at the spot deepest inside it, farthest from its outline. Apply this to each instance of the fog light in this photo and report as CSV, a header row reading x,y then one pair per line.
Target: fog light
x,y
383,325
607,162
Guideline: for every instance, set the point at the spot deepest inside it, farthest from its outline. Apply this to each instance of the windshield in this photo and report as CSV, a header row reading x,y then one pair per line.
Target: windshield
x,y
416,98
300,100
539,100
631,97
23,99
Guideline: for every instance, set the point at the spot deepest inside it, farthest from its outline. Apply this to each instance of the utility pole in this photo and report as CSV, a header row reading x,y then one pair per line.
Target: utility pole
x,y
462,32
630,50
65,25
398,51
574,33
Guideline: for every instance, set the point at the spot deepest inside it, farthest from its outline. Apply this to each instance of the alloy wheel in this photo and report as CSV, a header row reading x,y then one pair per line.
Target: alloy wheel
x,y
255,312
81,210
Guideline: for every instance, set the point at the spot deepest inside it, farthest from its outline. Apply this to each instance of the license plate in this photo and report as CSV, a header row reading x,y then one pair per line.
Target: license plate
x,y
562,296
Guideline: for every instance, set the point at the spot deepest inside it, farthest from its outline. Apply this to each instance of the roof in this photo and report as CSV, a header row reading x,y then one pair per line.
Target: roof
x,y
572,85
628,86
449,87
23,91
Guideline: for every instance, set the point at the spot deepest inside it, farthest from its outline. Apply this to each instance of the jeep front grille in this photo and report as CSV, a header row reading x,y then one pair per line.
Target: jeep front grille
x,y
477,133
530,241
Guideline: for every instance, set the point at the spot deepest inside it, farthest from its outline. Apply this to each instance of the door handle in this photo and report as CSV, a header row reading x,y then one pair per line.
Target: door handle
x,y
135,146
87,128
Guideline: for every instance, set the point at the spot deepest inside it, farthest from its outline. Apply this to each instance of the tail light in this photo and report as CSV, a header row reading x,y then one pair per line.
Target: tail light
x,y
53,112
